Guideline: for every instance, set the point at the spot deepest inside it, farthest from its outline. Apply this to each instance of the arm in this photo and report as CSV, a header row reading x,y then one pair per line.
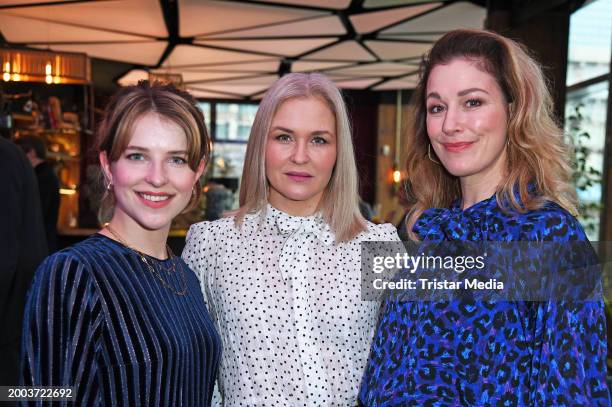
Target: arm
x,y
62,327
569,365
197,254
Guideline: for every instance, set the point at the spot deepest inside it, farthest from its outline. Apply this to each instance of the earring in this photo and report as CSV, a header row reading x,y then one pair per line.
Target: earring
x,y
109,185
429,155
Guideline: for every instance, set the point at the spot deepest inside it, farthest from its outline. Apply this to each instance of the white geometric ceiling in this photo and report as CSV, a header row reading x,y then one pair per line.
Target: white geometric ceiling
x,y
236,49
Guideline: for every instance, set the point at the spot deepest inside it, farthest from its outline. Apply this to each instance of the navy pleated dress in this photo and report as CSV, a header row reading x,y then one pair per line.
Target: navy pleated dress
x,y
99,320
477,353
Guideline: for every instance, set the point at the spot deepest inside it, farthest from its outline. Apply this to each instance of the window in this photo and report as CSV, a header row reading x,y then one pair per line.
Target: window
x,y
234,121
587,90
205,108
229,125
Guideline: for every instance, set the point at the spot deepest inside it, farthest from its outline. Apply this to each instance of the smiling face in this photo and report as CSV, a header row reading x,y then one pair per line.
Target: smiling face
x,y
300,155
467,121
152,181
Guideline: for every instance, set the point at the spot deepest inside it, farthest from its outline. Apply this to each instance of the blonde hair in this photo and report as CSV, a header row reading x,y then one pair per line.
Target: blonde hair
x,y
538,166
339,205
133,102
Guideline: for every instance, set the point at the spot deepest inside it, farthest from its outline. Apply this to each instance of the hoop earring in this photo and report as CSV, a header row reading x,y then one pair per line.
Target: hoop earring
x,y
429,155
109,185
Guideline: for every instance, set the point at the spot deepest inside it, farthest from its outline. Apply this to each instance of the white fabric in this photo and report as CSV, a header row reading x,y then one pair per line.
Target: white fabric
x,y
287,303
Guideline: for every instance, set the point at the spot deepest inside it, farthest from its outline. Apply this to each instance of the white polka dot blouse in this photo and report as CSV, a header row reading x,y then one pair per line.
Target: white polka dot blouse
x,y
286,301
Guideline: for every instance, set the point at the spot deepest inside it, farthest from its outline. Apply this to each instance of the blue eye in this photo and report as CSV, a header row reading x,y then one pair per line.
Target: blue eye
x,y
473,103
283,138
135,157
319,140
178,160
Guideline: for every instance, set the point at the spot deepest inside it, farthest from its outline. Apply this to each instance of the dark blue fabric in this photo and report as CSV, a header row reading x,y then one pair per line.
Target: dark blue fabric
x,y
489,353
97,318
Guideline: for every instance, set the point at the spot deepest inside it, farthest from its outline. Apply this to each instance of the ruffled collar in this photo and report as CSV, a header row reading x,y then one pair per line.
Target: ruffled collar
x,y
471,224
288,225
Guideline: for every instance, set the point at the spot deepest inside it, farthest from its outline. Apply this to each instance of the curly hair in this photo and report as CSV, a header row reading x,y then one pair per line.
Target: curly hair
x,y
538,165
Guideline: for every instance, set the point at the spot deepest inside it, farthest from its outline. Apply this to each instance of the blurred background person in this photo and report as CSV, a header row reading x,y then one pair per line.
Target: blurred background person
x,y
22,248
48,185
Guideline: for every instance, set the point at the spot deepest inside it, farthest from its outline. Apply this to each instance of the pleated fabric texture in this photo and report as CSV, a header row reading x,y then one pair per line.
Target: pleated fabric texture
x,y
98,319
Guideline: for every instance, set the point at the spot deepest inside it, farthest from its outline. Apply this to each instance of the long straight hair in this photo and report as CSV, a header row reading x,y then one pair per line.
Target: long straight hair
x,y
538,163
339,205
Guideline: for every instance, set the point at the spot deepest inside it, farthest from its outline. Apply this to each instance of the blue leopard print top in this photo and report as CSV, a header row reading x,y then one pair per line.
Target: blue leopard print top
x,y
489,353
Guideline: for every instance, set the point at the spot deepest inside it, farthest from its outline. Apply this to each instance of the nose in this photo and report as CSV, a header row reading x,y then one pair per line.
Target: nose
x,y
300,152
156,176
452,121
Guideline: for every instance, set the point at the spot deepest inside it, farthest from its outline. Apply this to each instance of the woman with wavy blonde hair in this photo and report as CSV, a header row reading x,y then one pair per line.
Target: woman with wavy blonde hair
x,y
486,162
282,273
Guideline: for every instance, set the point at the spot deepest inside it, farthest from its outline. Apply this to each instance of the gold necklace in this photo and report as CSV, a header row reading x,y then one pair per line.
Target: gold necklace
x,y
152,269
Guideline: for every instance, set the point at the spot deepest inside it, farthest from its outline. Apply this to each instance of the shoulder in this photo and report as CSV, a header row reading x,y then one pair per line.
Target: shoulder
x,y
203,230
381,232
70,264
83,252
11,153
550,222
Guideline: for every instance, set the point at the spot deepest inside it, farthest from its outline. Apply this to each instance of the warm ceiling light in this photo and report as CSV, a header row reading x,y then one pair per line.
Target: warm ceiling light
x,y
45,66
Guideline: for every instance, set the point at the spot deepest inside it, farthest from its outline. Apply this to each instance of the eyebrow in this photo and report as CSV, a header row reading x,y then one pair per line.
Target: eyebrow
x,y
470,90
286,130
143,149
464,92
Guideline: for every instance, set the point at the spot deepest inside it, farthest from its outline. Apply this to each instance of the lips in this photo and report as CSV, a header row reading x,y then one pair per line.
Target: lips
x,y
458,146
298,176
154,199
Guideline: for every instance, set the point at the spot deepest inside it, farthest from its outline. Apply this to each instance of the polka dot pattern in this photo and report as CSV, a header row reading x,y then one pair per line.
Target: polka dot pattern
x,y
287,303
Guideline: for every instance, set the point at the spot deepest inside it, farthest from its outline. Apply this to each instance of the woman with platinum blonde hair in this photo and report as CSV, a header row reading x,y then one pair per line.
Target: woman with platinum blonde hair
x,y
282,274
486,163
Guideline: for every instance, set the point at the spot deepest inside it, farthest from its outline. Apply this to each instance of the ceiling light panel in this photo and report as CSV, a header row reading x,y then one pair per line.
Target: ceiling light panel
x,y
143,53
409,82
357,83
397,50
328,25
198,17
140,17
41,32
380,69
275,46
453,16
234,89
367,22
411,37
386,3
192,77
10,3
344,51
188,55
204,94
248,66
330,4
305,66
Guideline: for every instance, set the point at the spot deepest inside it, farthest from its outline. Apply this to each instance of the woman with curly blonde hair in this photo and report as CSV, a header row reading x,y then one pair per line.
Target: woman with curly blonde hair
x,y
486,162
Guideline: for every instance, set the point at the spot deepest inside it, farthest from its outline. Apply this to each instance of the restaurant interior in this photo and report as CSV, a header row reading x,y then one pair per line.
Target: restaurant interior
x,y
62,59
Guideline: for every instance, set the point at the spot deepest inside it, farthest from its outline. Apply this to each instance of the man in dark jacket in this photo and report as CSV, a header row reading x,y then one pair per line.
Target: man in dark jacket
x,y
48,185
22,248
